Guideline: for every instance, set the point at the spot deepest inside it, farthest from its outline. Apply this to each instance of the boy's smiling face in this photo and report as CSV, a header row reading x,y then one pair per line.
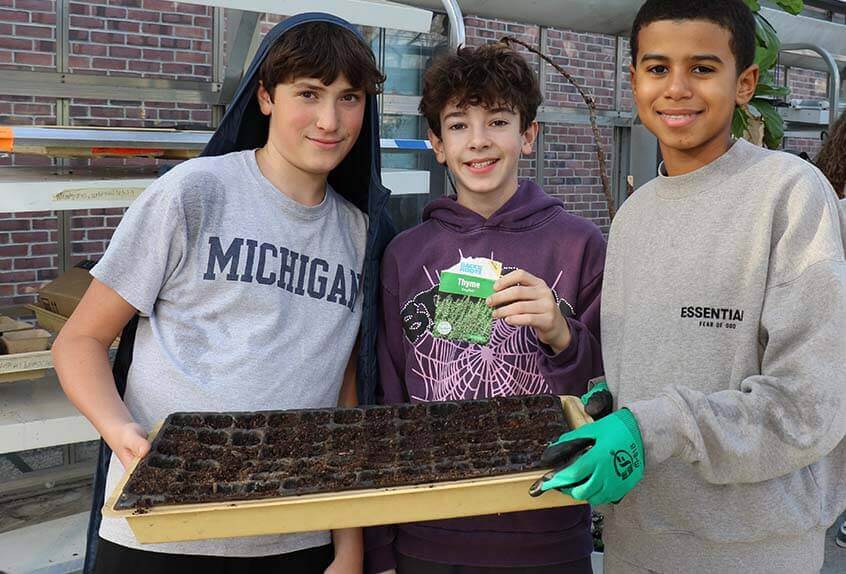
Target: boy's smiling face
x,y
312,126
481,147
686,86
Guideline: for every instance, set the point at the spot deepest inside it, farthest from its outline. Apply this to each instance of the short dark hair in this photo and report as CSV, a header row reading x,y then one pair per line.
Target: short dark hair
x,y
733,15
324,51
489,76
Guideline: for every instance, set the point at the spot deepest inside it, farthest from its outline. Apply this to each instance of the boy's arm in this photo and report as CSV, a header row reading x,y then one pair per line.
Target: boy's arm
x,y
794,412
348,542
80,353
145,250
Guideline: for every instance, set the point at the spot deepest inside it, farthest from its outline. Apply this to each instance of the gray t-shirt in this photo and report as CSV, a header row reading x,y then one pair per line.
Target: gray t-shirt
x,y
248,301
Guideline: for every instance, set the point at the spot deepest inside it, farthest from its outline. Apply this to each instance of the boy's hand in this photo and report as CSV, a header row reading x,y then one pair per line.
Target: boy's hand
x,y
128,441
522,299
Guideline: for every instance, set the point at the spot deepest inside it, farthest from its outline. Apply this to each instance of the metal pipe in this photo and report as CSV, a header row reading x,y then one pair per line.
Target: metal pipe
x,y
456,23
833,77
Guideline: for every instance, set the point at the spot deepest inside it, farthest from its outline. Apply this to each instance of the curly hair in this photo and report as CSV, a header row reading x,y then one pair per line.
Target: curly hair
x,y
832,157
489,76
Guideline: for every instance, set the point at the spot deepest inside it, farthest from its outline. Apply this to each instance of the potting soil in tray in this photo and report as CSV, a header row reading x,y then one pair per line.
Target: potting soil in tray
x,y
214,457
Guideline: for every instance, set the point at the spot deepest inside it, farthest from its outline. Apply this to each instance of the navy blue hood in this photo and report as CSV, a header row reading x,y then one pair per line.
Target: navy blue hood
x,y
245,127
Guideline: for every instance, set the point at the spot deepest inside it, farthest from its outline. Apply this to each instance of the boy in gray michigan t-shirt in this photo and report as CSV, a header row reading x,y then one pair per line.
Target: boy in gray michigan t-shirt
x,y
251,275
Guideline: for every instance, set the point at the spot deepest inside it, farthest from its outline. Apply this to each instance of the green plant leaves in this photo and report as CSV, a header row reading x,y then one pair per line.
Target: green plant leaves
x,y
766,56
792,6
773,122
767,90
739,122
766,52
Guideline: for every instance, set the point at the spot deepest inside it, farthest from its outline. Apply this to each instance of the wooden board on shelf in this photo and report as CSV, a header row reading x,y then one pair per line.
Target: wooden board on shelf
x,y
24,366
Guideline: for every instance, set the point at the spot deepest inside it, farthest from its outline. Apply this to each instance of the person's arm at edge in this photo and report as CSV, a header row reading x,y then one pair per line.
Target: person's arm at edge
x,y
348,542
81,357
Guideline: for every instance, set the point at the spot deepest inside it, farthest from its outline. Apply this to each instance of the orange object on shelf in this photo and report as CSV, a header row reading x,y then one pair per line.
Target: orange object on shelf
x,y
7,139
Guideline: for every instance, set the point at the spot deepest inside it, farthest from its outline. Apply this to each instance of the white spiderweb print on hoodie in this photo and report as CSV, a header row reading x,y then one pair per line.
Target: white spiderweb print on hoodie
x,y
456,370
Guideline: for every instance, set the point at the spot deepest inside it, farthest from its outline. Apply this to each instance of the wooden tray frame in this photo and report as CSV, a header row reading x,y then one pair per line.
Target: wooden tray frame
x,y
327,511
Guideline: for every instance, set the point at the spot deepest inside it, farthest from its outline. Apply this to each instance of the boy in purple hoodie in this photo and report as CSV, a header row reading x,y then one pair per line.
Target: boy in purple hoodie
x,y
480,104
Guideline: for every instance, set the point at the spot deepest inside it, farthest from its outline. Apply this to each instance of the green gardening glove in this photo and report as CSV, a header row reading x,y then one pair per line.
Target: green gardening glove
x,y
599,462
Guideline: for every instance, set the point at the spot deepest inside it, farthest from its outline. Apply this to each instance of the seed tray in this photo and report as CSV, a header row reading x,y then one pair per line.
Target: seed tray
x,y
331,468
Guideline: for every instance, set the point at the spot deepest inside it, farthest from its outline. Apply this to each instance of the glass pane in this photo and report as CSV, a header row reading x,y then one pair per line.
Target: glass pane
x,y
408,201
402,127
87,451
371,37
407,55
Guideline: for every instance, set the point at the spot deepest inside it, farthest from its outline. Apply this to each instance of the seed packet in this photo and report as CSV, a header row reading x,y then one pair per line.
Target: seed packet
x,y
461,313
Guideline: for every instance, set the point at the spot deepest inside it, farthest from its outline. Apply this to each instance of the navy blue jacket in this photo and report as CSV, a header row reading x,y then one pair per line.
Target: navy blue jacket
x,y
357,178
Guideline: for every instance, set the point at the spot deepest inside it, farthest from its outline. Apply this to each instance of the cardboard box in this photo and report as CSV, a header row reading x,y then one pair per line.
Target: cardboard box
x,y
7,325
47,319
62,295
27,341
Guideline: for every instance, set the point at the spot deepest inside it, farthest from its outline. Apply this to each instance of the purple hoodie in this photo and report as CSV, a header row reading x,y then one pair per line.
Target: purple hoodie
x,y
531,231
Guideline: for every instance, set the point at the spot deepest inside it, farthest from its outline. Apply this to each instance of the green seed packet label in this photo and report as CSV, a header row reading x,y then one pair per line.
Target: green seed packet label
x,y
461,313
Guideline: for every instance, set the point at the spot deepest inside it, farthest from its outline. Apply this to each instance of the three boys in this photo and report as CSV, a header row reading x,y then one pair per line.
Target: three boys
x,y
733,392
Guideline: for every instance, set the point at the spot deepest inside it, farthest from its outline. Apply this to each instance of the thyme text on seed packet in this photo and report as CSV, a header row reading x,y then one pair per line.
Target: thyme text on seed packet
x,y
461,313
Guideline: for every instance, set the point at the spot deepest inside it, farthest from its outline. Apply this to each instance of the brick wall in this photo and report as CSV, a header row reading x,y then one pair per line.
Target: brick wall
x,y
806,84
133,38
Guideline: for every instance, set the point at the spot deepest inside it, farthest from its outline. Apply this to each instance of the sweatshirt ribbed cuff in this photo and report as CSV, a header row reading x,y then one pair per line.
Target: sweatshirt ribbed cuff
x,y
566,355
661,428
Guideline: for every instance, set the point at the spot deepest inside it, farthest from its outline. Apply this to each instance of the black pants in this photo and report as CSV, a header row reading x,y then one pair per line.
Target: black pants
x,y
115,559
409,565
